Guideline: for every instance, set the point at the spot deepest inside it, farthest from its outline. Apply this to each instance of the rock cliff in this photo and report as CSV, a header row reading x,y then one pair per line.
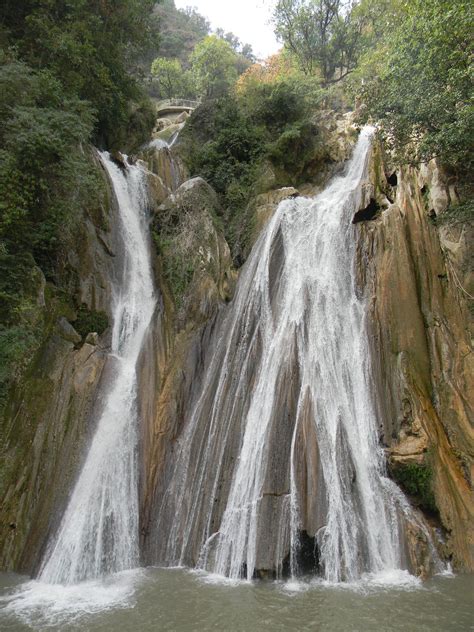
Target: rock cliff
x,y
419,282
50,414
416,273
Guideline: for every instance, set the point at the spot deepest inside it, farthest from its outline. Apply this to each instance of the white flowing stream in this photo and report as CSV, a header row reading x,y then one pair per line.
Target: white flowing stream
x,y
98,534
310,309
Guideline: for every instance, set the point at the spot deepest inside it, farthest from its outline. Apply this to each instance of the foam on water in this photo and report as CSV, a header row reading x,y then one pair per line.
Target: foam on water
x,y
216,579
49,605
393,579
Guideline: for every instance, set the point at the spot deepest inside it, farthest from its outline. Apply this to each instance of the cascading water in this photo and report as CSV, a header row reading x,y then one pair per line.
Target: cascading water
x,y
282,439
98,533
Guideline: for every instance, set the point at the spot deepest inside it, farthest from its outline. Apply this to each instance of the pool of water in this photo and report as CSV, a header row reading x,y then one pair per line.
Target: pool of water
x,y
183,601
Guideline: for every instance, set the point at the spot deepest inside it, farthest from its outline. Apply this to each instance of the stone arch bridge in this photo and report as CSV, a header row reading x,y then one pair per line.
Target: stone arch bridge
x,y
175,106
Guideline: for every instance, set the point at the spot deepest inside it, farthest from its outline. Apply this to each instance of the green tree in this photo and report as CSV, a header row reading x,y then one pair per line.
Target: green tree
x,y
213,63
418,82
321,34
90,47
169,75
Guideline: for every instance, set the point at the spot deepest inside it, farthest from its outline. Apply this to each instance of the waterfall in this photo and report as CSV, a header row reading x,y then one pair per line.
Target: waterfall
x,y
98,533
282,441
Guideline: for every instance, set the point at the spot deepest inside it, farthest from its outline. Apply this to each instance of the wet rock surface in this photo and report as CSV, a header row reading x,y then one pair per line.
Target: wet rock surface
x,y
420,330
414,274
51,413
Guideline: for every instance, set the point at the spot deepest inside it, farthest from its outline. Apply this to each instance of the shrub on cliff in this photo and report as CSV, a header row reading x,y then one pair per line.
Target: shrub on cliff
x,y
89,47
227,140
417,82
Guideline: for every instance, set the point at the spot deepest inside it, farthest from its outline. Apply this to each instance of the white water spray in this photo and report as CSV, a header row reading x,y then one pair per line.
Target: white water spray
x,y
303,316
98,534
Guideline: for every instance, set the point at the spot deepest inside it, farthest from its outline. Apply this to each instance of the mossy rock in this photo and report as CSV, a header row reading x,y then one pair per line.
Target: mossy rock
x,y
416,479
88,321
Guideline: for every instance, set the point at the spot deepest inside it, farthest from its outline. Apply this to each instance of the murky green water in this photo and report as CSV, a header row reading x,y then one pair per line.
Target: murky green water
x,y
181,601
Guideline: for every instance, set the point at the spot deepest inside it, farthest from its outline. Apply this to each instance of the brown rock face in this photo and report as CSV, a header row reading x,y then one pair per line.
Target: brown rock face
x,y
422,345
50,420
167,168
195,275
50,416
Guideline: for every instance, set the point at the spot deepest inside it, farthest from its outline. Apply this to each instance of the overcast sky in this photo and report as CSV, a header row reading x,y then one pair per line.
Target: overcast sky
x,y
248,19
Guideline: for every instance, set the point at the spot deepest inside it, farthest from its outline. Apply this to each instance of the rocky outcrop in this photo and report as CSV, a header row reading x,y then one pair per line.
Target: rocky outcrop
x,y
400,264
194,254
48,423
196,278
262,207
50,414
416,278
167,169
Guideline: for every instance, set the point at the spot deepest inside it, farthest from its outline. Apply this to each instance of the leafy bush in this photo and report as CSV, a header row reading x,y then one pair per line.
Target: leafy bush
x,y
221,143
278,104
294,147
416,480
418,83
88,321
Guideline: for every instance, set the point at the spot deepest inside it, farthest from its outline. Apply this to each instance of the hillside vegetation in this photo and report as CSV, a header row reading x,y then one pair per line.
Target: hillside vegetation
x,y
74,74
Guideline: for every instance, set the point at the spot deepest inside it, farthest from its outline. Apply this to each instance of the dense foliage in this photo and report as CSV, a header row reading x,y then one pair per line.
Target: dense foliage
x,y
267,120
88,46
417,81
65,82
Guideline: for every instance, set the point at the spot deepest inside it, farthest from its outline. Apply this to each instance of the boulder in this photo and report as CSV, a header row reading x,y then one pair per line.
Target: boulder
x,y
92,338
67,331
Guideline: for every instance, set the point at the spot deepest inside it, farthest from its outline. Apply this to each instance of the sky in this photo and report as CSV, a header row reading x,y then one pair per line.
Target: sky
x,y
248,19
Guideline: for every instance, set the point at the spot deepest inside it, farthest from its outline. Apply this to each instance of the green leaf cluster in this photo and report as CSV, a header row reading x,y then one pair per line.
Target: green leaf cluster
x,y
416,480
227,140
417,81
